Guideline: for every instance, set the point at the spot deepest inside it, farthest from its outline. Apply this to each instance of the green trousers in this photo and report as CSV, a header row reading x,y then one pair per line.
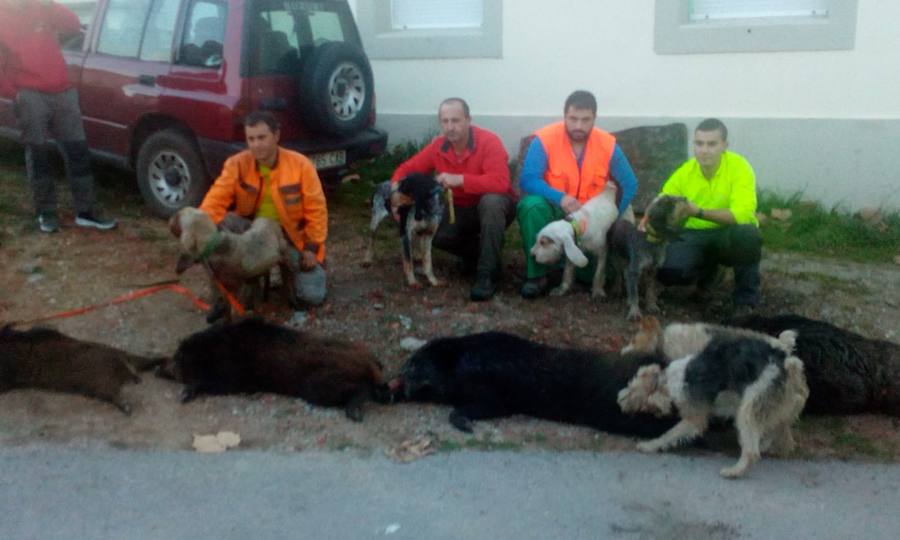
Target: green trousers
x,y
533,213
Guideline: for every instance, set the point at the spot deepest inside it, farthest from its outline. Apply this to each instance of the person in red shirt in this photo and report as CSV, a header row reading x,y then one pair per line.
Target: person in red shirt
x,y
473,163
33,73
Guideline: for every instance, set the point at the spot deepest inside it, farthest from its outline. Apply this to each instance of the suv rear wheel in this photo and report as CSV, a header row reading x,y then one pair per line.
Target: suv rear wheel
x,y
336,89
170,172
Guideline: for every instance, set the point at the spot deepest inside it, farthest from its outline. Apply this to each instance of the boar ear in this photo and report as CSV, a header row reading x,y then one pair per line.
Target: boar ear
x,y
185,261
573,253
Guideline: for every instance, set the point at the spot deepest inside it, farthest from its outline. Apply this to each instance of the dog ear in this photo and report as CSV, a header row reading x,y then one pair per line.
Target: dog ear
x,y
573,253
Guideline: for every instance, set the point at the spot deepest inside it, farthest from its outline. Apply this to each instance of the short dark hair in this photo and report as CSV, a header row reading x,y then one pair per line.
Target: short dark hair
x,y
581,99
262,117
713,124
461,101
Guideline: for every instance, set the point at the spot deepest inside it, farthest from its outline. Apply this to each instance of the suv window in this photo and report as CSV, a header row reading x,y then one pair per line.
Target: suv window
x,y
160,31
120,34
283,32
204,33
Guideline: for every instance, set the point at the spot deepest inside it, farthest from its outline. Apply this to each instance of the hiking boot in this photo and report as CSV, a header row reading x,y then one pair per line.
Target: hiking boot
x,y
48,222
484,288
534,287
91,220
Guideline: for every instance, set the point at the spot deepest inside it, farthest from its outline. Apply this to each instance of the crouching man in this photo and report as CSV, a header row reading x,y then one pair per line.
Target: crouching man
x,y
269,181
472,163
720,187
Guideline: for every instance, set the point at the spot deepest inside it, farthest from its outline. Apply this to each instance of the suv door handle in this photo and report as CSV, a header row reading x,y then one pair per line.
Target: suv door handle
x,y
147,80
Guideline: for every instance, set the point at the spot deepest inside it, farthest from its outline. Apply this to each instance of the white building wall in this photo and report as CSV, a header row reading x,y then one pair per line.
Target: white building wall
x,y
825,122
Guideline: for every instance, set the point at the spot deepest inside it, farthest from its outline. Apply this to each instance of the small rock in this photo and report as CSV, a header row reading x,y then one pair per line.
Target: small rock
x,y
897,259
392,528
31,267
34,278
781,214
405,321
436,311
377,305
298,319
411,344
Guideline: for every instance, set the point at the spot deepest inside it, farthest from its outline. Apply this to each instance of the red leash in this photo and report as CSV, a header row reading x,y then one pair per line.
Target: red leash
x,y
140,293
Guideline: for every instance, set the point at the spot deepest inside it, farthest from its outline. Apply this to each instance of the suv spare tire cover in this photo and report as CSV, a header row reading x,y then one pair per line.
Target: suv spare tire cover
x,y
336,89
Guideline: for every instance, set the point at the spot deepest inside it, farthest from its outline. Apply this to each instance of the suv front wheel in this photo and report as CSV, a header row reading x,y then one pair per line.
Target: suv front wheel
x,y
170,172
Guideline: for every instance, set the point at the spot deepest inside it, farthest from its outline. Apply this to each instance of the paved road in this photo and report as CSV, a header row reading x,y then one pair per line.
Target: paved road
x,y
53,492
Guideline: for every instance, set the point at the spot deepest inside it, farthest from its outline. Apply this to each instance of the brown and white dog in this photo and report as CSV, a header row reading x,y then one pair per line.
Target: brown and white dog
x,y
237,261
724,372
584,230
643,252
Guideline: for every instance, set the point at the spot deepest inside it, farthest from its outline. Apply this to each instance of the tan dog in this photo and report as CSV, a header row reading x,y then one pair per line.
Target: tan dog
x,y
236,260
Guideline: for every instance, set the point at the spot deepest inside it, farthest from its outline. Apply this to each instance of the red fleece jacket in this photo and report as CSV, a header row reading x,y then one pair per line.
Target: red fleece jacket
x,y
30,57
484,166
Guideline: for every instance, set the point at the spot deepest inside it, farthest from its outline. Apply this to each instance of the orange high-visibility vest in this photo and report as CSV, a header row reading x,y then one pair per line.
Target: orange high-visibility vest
x,y
562,168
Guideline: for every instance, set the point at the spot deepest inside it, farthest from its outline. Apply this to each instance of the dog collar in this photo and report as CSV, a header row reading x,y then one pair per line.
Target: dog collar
x,y
578,227
214,242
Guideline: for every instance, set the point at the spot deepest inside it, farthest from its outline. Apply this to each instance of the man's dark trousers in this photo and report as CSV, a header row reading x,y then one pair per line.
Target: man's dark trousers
x,y
695,258
478,232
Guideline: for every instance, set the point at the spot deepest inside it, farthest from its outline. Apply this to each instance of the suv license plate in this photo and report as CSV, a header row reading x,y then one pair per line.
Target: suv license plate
x,y
328,160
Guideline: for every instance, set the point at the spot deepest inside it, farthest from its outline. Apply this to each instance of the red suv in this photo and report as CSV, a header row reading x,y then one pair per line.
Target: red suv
x,y
164,86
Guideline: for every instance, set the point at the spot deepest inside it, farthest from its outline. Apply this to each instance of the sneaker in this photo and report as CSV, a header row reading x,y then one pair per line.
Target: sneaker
x,y
483,289
48,222
88,219
534,287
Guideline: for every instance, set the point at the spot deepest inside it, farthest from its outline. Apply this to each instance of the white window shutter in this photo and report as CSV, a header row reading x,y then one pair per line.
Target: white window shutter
x,y
425,14
701,10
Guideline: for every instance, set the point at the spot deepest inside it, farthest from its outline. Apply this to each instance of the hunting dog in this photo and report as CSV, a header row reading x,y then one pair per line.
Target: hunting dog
x,y
742,377
45,359
420,216
585,229
238,261
847,373
495,374
252,355
643,252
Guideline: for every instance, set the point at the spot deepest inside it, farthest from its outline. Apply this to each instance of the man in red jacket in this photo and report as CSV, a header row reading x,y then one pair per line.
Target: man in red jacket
x,y
473,163
33,73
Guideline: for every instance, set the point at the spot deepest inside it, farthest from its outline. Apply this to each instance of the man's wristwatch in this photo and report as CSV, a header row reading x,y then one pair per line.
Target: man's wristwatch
x,y
700,213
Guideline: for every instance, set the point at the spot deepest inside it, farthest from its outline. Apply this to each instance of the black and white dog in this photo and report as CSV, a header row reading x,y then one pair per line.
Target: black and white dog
x,y
758,383
643,252
420,213
495,374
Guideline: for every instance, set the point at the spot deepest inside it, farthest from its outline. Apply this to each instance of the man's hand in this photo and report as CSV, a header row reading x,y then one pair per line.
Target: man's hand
x,y
448,180
569,204
308,260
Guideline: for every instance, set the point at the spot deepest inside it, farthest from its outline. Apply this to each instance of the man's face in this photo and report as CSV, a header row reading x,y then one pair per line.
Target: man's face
x,y
579,123
708,148
262,141
454,124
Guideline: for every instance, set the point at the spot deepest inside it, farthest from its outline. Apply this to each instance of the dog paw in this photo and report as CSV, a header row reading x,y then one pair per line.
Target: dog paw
x,y
559,291
647,447
599,295
653,309
414,285
438,282
733,472
634,314
366,263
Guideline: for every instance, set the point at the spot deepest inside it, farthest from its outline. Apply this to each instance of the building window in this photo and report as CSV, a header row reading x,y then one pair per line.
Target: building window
x,y
713,26
399,29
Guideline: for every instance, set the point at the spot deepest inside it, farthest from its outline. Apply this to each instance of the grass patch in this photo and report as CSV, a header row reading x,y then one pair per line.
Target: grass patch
x,y
853,443
817,230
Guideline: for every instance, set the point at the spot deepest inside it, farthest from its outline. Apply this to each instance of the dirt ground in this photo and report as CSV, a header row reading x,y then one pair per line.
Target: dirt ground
x,y
44,274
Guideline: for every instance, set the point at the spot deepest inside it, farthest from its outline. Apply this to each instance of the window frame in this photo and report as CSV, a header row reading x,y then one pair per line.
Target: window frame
x,y
383,42
100,29
675,33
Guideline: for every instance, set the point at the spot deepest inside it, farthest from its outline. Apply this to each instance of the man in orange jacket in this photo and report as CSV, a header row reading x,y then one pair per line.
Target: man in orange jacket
x,y
269,181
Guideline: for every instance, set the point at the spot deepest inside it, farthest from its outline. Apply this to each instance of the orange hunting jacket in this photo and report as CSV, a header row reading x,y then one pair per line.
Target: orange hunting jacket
x,y
296,192
563,173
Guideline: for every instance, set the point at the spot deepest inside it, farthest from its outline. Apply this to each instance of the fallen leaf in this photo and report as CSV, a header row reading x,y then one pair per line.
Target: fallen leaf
x,y
208,444
228,439
412,449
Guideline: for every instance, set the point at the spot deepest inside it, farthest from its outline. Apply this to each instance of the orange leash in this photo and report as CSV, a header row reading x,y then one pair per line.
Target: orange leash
x,y
235,305
134,295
